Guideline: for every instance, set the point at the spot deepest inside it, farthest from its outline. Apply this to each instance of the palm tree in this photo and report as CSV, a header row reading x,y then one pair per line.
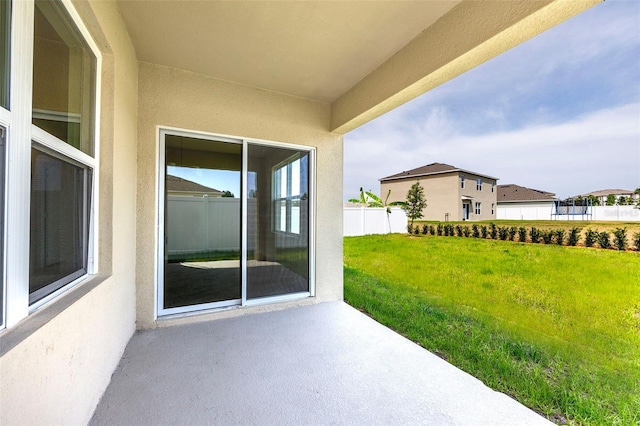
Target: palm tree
x,y
369,199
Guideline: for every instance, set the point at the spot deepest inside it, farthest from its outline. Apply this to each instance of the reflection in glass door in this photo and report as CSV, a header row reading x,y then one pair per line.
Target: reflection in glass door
x,y
202,223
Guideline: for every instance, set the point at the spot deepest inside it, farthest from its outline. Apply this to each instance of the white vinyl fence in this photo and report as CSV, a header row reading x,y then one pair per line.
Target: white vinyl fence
x,y
373,220
597,213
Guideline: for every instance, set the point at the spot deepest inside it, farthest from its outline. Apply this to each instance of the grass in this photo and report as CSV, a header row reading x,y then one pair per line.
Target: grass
x,y
556,327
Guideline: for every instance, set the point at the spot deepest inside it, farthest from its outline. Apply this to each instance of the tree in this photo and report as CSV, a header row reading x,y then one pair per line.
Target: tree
x,y
227,194
611,200
369,199
416,202
595,201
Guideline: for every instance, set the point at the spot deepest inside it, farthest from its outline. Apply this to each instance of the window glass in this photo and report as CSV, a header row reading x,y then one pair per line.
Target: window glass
x,y
462,181
477,208
5,40
479,184
64,70
278,231
59,223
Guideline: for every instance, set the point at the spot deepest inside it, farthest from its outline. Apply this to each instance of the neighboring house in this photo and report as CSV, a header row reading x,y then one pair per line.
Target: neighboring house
x,y
98,98
517,202
452,194
178,186
603,194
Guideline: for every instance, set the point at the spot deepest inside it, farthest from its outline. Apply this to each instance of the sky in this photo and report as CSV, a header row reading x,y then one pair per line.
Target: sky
x,y
558,113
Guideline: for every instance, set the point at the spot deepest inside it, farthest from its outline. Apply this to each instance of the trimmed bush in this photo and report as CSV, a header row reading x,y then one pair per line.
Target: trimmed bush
x,y
410,228
574,236
512,233
534,234
476,231
522,234
483,231
493,231
620,238
425,229
459,230
560,236
439,229
636,240
547,236
603,240
465,231
432,230
590,238
503,232
416,230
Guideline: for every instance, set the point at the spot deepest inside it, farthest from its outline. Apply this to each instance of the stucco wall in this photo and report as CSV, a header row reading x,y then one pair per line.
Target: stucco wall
x,y
181,99
58,373
485,197
439,190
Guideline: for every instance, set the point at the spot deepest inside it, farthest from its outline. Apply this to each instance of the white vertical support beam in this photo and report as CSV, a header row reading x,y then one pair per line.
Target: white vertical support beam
x,y
244,220
18,155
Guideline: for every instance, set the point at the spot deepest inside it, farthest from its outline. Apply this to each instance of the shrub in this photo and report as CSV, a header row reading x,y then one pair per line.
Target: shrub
x,y
603,240
636,240
503,231
459,230
590,237
476,232
483,231
574,236
452,230
512,233
547,236
560,236
465,231
494,231
439,229
534,234
432,230
425,229
410,228
620,238
522,234
446,230
416,230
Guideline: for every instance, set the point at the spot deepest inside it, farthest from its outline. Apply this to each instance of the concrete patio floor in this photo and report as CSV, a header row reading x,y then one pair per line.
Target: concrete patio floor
x,y
319,364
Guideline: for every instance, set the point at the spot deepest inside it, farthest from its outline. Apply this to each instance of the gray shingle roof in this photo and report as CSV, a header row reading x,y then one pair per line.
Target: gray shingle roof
x,y
430,169
605,192
178,184
513,192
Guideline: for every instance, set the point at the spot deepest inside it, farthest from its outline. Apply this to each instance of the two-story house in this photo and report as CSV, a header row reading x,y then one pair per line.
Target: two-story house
x,y
452,194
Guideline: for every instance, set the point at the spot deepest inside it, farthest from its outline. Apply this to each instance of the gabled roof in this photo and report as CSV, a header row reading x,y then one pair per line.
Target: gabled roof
x,y
431,169
605,192
178,184
513,192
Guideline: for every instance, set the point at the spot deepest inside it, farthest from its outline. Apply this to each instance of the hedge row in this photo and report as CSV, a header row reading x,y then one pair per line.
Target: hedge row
x,y
533,235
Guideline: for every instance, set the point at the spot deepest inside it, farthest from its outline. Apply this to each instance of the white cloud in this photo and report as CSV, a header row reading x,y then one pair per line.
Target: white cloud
x,y
595,151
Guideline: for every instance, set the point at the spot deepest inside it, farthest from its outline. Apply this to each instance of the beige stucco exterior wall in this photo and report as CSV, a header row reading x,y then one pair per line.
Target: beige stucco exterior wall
x,y
443,194
181,99
58,373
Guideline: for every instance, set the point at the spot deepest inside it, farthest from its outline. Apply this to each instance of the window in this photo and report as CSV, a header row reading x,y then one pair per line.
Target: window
x,y
289,183
462,181
479,184
48,161
477,208
493,186
492,208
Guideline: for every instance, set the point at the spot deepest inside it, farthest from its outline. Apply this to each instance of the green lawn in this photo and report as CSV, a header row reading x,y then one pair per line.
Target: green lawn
x,y
556,327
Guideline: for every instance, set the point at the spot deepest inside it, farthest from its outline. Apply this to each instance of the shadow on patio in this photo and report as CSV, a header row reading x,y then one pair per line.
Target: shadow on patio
x,y
319,364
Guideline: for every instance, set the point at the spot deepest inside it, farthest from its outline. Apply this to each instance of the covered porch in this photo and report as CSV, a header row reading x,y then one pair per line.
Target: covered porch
x,y
319,364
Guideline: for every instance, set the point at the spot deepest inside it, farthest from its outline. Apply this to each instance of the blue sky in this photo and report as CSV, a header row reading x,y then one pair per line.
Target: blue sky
x,y
560,113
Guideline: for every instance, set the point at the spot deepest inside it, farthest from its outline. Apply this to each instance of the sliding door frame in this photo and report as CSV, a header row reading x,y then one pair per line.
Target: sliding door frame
x,y
162,132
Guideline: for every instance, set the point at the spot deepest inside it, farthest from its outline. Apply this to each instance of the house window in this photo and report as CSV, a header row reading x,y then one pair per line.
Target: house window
x,y
479,184
477,211
492,208
493,186
47,159
462,181
289,189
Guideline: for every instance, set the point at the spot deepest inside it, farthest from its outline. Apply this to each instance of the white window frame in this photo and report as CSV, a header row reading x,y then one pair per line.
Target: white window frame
x,y
493,186
21,135
477,208
160,311
288,198
461,181
479,184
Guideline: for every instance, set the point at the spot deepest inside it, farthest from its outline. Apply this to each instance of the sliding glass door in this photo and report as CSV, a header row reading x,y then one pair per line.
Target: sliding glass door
x,y
235,219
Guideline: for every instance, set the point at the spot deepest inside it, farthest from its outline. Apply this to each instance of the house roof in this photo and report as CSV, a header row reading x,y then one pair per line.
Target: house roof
x,y
605,192
511,192
431,169
178,184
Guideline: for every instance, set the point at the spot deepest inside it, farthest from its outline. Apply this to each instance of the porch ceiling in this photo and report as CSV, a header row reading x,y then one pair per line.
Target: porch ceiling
x,y
313,49
364,58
